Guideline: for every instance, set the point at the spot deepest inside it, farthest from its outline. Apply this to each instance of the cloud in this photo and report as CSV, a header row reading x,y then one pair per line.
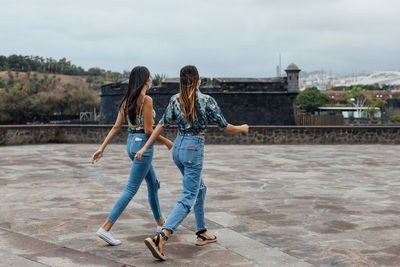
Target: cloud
x,y
221,37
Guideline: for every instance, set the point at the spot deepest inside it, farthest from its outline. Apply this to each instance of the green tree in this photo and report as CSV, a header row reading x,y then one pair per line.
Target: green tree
x,y
311,99
371,111
15,62
3,63
2,83
34,83
381,104
10,81
95,72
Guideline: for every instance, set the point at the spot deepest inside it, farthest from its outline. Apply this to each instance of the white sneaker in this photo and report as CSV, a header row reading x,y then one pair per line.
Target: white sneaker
x,y
108,237
159,229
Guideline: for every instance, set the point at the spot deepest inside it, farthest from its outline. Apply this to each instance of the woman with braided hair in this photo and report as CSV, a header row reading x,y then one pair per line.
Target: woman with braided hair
x,y
191,111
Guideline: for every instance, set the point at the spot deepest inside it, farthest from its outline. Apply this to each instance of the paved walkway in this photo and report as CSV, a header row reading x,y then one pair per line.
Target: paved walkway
x,y
268,205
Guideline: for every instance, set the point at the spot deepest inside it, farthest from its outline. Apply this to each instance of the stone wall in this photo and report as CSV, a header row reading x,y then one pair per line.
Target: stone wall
x,y
263,101
37,134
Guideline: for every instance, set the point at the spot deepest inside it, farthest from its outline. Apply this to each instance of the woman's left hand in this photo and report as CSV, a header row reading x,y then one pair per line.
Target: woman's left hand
x,y
139,154
97,155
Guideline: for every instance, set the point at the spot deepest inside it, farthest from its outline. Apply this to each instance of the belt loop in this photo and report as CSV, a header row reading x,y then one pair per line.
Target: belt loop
x,y
181,140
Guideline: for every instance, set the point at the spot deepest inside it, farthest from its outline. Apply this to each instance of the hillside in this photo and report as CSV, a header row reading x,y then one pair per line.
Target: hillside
x,y
34,89
52,75
79,81
56,84
32,97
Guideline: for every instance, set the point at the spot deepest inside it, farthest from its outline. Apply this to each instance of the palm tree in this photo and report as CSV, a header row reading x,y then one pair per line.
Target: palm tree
x,y
158,79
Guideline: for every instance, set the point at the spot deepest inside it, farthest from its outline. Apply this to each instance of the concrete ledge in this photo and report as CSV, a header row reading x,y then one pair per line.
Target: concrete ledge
x,y
37,134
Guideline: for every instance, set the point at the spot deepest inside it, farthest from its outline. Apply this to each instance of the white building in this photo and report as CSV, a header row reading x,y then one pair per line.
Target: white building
x,y
349,112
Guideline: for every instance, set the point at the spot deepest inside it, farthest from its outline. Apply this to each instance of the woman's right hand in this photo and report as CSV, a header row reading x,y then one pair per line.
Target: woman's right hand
x,y
244,128
169,144
139,154
97,155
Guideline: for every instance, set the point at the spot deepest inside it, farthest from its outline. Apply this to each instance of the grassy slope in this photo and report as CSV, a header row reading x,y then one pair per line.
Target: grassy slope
x,y
79,81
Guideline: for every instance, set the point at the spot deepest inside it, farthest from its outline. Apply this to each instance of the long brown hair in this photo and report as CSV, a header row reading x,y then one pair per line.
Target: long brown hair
x,y
137,79
189,79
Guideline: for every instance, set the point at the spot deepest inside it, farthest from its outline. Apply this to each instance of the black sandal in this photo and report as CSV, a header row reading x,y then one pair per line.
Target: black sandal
x,y
152,244
205,239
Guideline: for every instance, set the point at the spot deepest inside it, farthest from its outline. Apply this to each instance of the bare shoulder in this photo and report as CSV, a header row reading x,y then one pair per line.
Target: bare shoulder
x,y
148,101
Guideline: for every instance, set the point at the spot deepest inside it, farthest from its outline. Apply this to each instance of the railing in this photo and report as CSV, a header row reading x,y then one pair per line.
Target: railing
x,y
319,119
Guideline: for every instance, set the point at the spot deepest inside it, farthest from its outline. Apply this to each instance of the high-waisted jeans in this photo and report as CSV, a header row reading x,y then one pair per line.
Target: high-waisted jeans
x,y
188,155
140,169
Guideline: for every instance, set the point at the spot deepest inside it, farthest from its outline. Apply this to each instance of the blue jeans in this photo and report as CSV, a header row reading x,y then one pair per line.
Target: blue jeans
x,y
188,155
140,169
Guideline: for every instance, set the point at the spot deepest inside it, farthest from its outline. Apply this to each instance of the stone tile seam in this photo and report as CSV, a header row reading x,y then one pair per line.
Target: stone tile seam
x,y
56,246
262,244
23,256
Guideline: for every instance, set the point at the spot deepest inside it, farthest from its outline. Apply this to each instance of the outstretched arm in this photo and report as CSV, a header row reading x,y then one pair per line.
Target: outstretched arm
x,y
157,131
214,113
244,128
115,129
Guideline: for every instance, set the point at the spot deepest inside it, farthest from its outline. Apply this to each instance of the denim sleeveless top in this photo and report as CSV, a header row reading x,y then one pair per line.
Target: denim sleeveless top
x,y
139,125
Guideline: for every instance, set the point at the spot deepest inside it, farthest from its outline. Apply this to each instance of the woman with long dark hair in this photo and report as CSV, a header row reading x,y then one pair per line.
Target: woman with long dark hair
x,y
137,108
192,111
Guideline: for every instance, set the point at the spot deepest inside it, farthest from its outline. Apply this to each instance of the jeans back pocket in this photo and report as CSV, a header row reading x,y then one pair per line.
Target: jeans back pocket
x,y
190,154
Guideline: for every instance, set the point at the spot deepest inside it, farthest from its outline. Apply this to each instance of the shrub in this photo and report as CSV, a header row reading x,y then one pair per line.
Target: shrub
x,y
396,118
17,105
2,83
341,105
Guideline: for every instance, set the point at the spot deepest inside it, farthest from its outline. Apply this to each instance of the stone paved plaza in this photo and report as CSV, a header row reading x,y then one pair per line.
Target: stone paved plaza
x,y
268,205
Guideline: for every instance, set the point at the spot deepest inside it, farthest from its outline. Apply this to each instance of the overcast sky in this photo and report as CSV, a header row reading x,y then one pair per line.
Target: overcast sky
x,y
223,38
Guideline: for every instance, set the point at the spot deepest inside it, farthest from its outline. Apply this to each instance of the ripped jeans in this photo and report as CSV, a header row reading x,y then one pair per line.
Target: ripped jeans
x,y
188,155
140,170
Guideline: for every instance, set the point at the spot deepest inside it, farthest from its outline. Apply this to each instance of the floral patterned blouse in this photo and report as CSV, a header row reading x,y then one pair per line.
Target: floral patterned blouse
x,y
207,111
139,125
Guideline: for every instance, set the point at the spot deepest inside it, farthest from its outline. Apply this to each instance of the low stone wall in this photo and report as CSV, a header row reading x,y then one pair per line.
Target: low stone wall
x,y
38,134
